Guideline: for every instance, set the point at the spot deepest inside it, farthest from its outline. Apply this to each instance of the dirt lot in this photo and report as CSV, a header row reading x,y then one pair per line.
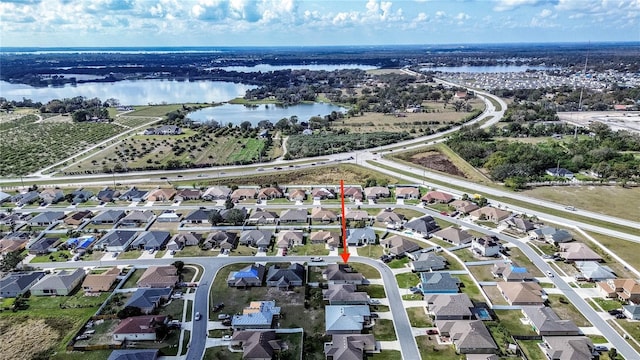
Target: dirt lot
x,y
617,120
437,161
24,340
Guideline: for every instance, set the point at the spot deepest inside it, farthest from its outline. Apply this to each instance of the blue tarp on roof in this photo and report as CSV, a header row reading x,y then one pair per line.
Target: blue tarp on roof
x,y
246,274
72,241
518,269
86,242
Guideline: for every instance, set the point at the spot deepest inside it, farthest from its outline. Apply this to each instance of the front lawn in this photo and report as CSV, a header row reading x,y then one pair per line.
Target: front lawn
x,y
407,280
412,297
565,310
383,330
309,249
510,319
431,350
57,256
195,251
132,281
374,291
469,287
367,271
372,251
418,317
129,255
399,263
606,304
386,355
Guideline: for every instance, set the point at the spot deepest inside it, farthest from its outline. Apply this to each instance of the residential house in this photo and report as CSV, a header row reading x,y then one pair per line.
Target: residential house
x,y
224,240
179,241
454,235
95,283
46,218
137,218
489,213
9,245
139,328
510,271
136,354
270,193
322,194
437,197
60,283
423,225
520,224
578,252
547,323
17,283
149,299
353,193
450,307
349,346
464,206
249,276
560,172
356,215
161,195
332,239
344,294
78,217
151,240
428,261
323,215
51,196
399,246
108,217
216,193
486,246
198,216
187,194
164,130
468,337
258,315
107,195
438,283
289,238
407,192
376,192
168,216
522,293
262,217
567,347
298,195
285,278
594,271
25,198
551,235
631,311
134,194
243,194
390,218
257,345
346,319
159,277
116,240
292,216
626,290
43,246
4,197
361,236
80,196
342,274
256,238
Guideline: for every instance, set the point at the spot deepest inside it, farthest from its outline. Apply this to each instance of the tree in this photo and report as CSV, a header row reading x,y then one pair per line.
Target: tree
x,y
245,125
11,260
215,218
613,353
129,311
179,265
228,204
234,216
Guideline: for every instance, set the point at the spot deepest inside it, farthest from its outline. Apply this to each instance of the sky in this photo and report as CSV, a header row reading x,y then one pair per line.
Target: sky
x,y
140,23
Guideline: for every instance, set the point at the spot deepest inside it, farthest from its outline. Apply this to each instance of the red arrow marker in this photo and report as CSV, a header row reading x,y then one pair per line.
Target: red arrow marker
x,y
345,248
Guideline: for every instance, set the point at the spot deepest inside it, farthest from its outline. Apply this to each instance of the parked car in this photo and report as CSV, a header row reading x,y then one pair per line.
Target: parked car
x,y
621,316
197,316
226,338
223,317
549,274
374,316
432,331
218,307
600,348
614,312
316,259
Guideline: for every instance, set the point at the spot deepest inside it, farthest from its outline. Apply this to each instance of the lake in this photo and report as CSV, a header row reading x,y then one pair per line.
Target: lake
x,y
235,114
132,92
485,69
314,67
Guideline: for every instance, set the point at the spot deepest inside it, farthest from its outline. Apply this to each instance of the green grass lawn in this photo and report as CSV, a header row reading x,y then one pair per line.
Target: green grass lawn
x,y
464,255
469,287
371,251
57,256
133,279
191,251
412,297
598,339
243,250
383,330
129,255
607,305
482,272
399,263
221,353
430,350
369,272
386,355
521,259
407,280
531,349
510,319
374,291
418,318
309,249
566,310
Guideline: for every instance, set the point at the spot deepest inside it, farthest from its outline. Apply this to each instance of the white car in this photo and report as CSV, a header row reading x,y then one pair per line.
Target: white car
x,y
316,259
226,338
549,274
197,316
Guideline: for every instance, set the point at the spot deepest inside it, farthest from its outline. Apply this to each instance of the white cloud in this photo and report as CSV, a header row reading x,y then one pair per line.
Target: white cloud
x,y
505,5
462,16
545,13
440,14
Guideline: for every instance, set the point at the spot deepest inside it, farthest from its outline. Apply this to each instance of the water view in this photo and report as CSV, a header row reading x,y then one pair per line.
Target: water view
x,y
485,69
132,92
315,67
235,114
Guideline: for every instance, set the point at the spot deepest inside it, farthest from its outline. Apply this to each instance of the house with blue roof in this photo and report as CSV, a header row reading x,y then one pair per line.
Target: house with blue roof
x,y
510,271
346,319
252,275
438,283
361,236
258,315
148,299
84,243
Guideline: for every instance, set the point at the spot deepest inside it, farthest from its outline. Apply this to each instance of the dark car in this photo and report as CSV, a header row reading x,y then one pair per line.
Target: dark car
x,y
621,316
614,312
432,332
374,316
218,307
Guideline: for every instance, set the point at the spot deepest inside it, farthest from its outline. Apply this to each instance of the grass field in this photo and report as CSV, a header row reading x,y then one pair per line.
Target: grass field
x,y
609,200
566,310
627,250
418,318
383,330
369,272
531,349
430,350
607,305
372,251
470,288
407,280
